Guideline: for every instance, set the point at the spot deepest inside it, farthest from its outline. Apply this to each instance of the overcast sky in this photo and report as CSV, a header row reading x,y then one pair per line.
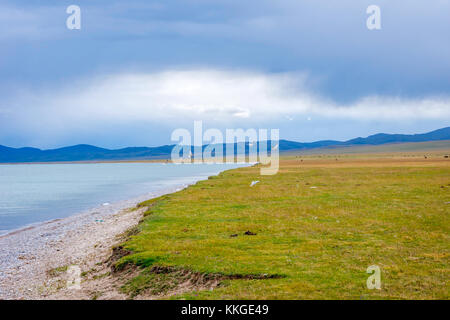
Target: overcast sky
x,y
137,70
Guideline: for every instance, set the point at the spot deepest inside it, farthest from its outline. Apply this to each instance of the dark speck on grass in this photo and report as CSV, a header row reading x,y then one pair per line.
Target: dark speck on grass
x,y
249,233
233,235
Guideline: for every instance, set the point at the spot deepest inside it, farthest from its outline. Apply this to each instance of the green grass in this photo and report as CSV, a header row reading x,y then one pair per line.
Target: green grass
x,y
154,283
320,240
57,271
421,148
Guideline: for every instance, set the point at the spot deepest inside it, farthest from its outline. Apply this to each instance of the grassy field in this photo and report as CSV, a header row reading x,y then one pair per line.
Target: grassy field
x,y
410,148
318,224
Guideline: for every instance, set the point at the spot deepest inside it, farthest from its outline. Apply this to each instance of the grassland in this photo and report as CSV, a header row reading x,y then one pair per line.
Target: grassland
x,y
318,224
391,149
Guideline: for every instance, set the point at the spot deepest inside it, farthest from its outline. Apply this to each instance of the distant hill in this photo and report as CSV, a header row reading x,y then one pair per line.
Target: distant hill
x,y
376,139
84,152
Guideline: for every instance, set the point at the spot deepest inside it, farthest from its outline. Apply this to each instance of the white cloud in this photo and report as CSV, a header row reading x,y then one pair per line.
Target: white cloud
x,y
143,108
210,95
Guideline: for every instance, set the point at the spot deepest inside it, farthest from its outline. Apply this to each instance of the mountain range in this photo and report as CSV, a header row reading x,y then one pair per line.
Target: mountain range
x,y
84,152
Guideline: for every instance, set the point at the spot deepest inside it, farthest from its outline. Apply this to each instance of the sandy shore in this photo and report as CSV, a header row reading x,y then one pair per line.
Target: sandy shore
x,y
33,261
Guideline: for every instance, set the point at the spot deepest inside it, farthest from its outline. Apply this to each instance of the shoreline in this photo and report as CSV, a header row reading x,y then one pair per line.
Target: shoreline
x,y
100,209
89,162
30,253
181,184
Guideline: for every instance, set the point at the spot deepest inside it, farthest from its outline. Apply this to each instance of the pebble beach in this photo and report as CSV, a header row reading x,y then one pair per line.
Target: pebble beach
x,y
28,254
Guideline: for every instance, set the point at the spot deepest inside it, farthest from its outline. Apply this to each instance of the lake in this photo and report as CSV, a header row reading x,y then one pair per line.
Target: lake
x,y
33,193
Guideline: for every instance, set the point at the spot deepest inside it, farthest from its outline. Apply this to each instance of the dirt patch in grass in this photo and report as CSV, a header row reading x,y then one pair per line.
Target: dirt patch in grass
x,y
117,253
117,278
161,282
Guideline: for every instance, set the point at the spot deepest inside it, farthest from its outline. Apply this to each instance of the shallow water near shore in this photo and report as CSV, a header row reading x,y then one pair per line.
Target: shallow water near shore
x,y
35,193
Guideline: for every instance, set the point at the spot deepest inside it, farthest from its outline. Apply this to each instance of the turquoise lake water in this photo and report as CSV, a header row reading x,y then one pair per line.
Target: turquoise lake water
x,y
33,193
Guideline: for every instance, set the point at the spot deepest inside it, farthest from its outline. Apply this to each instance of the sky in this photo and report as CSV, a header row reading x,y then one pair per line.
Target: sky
x,y
138,70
